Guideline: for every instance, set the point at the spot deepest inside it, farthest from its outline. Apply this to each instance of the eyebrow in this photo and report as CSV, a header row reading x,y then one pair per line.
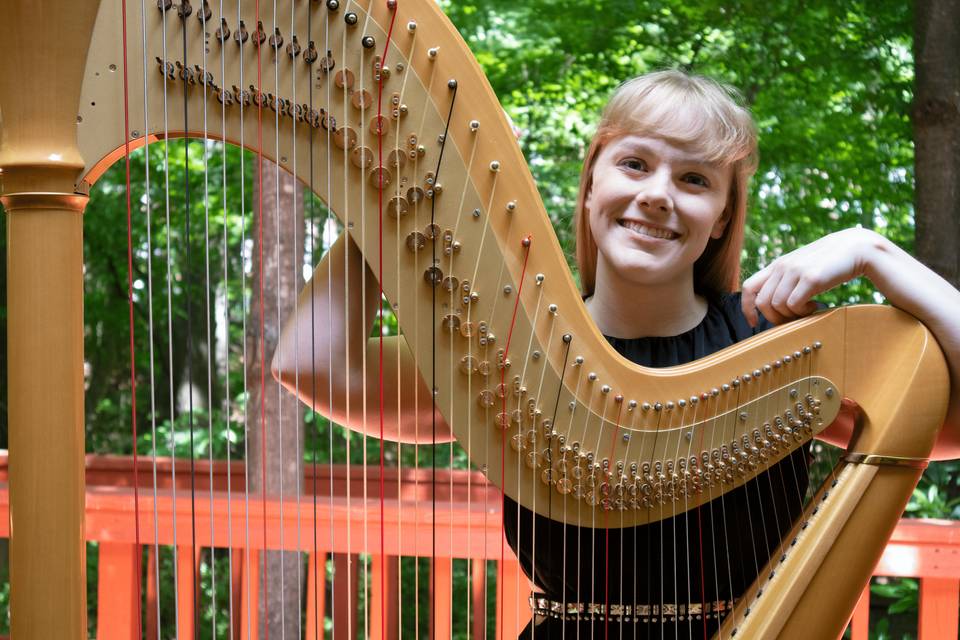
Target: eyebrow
x,y
642,147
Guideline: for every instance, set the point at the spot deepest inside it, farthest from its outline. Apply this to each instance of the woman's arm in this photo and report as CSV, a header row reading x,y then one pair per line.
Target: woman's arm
x,y
783,291
326,357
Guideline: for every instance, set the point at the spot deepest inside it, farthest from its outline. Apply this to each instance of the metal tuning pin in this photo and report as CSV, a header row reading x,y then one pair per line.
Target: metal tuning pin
x,y
276,40
350,18
164,5
223,32
333,5
204,15
368,42
184,10
293,49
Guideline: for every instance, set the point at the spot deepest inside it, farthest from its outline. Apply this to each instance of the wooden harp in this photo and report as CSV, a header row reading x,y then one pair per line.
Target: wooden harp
x,y
411,151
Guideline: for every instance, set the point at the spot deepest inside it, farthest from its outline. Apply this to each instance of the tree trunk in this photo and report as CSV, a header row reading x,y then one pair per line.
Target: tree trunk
x,y
936,131
277,459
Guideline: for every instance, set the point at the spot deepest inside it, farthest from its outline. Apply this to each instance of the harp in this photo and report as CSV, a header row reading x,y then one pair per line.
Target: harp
x,y
404,141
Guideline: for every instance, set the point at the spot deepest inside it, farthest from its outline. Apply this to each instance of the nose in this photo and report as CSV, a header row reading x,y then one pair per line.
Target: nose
x,y
653,193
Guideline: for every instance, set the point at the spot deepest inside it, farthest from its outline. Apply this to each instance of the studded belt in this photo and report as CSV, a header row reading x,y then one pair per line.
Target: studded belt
x,y
629,612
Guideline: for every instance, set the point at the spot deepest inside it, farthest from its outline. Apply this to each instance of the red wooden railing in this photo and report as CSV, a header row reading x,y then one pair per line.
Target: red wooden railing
x,y
464,524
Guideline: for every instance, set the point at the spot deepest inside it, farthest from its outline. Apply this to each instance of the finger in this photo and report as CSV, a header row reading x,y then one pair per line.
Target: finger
x,y
801,297
748,295
765,295
786,286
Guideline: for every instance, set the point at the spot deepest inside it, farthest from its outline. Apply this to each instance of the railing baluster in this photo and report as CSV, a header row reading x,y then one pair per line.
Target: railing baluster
x,y
441,597
478,603
513,608
939,608
316,598
378,566
345,596
117,591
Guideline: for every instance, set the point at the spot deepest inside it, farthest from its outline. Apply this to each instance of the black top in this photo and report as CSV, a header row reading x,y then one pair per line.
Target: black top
x,y
731,537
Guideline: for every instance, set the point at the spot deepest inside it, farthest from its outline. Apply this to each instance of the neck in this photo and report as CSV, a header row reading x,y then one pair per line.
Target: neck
x,y
625,309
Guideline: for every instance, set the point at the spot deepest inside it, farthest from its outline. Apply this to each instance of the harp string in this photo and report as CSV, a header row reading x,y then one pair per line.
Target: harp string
x,y
169,292
187,270
133,360
297,276
311,243
206,245
148,206
226,324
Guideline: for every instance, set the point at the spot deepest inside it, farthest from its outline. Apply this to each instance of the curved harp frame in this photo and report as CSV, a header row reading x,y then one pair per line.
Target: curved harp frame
x,y
520,372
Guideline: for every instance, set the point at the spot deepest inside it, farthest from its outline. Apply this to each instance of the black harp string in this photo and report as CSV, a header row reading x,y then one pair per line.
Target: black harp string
x,y
452,84
567,340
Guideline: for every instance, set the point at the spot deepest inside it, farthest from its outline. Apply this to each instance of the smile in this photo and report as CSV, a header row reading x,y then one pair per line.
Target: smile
x,y
652,232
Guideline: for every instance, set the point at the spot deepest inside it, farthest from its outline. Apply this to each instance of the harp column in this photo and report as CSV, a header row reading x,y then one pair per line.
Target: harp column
x,y
43,48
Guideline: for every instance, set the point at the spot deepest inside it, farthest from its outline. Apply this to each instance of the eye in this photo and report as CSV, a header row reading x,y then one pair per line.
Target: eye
x,y
696,179
634,164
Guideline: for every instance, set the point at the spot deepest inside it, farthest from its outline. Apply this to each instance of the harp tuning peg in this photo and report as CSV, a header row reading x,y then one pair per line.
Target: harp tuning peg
x,y
223,32
259,36
293,49
164,5
276,40
333,5
240,35
204,15
310,55
184,10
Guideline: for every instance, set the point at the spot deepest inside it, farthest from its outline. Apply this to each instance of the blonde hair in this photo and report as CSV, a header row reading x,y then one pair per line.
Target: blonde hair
x,y
717,126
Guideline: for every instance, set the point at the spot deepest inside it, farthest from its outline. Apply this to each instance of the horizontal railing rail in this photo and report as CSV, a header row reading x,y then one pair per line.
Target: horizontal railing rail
x,y
442,515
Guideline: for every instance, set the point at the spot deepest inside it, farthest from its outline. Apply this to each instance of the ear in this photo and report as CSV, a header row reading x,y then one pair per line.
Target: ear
x,y
721,224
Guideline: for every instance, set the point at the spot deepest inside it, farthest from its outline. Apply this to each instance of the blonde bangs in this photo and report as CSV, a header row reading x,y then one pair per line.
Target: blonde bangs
x,y
698,114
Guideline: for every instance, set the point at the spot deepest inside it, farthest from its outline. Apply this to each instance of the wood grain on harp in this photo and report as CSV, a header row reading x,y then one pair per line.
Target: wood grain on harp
x,y
494,331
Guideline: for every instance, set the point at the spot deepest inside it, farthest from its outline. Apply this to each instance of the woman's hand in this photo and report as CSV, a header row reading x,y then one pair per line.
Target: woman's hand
x,y
784,289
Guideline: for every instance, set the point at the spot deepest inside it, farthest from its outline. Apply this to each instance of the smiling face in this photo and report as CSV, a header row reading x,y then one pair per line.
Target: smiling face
x,y
652,207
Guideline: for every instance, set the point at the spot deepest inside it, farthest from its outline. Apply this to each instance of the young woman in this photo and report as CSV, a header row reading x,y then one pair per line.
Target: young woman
x,y
660,221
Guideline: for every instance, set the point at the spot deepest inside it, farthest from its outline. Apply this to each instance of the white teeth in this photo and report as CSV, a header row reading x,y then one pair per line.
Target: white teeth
x,y
648,231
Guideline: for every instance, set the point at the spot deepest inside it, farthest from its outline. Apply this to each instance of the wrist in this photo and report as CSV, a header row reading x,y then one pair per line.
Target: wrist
x,y
875,251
